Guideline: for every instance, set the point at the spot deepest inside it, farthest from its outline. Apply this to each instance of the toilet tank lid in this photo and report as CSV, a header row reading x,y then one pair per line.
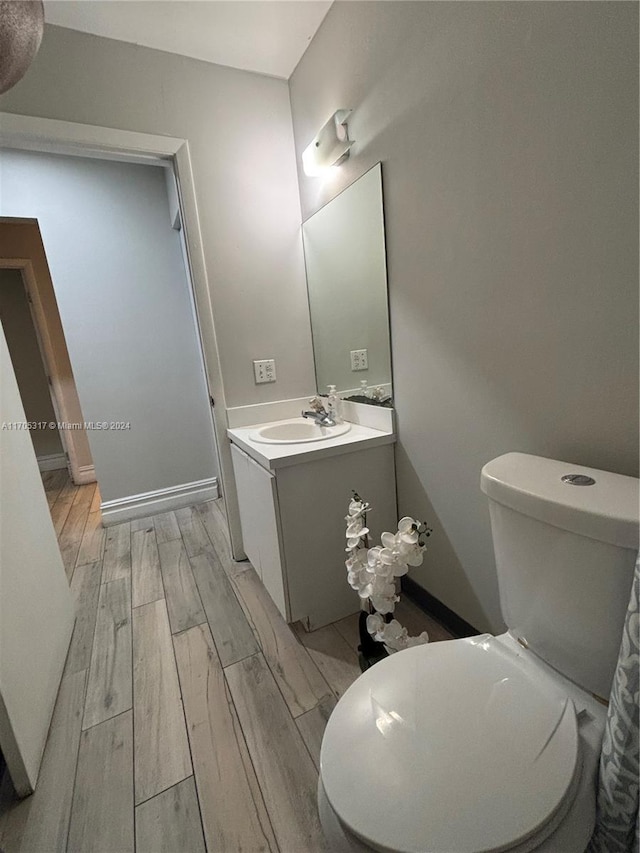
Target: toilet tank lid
x,y
607,511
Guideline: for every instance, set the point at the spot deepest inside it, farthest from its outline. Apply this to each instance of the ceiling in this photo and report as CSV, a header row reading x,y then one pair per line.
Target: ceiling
x,y
265,36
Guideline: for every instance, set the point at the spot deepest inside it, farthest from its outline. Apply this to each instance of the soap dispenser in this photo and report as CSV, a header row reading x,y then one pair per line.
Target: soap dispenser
x,y
364,388
334,405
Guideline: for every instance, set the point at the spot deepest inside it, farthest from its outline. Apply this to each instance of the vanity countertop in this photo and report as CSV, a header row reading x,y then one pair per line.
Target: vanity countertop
x,y
274,456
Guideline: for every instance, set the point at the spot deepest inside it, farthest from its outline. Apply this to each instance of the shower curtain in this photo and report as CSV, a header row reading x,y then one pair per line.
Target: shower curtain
x,y
617,806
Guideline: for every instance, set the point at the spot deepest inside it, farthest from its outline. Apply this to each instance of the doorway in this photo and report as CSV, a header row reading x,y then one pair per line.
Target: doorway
x,y
125,300
21,132
123,375
39,352
28,364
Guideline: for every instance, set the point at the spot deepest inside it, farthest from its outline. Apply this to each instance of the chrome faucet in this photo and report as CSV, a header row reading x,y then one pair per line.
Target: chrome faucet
x,y
321,418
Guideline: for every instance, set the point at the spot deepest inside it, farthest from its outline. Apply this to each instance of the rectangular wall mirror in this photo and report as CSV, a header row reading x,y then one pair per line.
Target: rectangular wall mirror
x,y
345,257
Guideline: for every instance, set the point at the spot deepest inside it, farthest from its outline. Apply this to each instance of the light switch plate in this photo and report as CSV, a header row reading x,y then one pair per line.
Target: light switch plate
x,y
264,370
359,359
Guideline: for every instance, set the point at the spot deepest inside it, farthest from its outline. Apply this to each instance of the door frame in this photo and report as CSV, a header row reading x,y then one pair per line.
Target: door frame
x,y
61,137
60,396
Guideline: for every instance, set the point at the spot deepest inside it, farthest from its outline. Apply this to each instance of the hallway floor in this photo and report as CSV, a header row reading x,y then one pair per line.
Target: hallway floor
x,y
190,715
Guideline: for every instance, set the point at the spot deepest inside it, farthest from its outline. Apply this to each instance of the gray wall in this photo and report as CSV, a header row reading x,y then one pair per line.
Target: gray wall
x,y
508,134
27,361
124,302
239,129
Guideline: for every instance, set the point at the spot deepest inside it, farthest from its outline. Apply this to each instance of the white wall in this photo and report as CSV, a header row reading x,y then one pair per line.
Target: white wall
x,y
124,302
36,607
508,134
239,129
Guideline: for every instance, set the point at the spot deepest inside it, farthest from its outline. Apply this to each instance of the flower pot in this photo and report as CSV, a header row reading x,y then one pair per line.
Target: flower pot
x,y
370,650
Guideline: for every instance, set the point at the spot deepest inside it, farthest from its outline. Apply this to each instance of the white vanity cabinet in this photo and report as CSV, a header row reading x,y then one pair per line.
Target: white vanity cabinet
x,y
260,522
293,526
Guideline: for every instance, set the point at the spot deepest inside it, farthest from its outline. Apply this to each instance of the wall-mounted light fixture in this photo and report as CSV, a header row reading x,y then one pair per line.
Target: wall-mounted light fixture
x,y
330,146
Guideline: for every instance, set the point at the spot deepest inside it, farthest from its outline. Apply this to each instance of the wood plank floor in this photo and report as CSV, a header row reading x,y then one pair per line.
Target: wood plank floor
x,y
190,715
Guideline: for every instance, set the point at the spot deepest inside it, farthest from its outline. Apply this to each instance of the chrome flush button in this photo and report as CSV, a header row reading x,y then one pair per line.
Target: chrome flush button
x,y
578,480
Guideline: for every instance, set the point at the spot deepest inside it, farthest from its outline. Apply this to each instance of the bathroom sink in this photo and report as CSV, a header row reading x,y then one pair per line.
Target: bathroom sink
x,y
297,430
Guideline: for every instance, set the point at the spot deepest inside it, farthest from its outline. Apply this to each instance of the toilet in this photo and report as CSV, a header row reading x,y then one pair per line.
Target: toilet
x,y
491,743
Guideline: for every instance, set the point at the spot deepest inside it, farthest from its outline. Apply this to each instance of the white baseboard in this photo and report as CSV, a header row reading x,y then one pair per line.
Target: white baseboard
x,y
161,500
85,474
52,462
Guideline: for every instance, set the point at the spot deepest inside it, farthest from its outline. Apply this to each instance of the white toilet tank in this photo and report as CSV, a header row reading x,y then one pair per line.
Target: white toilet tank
x,y
565,553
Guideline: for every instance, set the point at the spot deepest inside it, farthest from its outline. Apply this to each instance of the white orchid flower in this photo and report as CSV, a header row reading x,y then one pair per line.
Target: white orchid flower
x,y
408,530
378,586
389,540
357,509
402,549
355,532
356,582
415,556
396,638
418,641
398,554
354,526
375,623
383,585
394,635
365,592
383,604
393,630
371,572
354,574
357,574
385,570
357,560
387,556
373,556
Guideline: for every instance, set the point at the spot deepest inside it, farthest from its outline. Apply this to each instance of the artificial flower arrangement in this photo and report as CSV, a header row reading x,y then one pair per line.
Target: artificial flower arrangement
x,y
378,394
372,572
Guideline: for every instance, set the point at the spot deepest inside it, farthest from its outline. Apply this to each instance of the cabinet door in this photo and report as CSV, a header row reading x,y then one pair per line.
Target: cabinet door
x,y
272,569
260,523
249,509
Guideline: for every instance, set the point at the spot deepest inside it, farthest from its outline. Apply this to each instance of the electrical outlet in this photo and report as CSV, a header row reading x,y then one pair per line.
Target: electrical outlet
x,y
359,359
264,370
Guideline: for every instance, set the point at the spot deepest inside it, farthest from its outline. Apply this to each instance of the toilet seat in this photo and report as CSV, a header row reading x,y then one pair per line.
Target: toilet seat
x,y
455,746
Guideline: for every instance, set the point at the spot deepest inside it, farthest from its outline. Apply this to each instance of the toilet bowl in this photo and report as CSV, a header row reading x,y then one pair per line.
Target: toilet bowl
x,y
491,744
465,745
